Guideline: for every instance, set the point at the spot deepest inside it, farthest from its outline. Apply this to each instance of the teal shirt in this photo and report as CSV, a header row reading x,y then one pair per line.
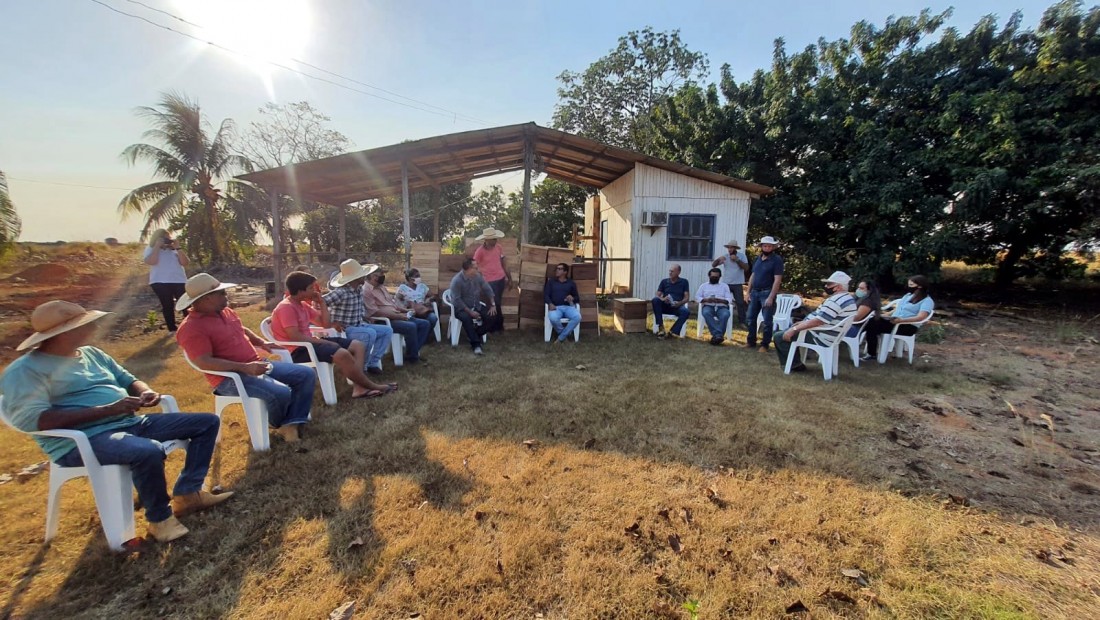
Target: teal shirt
x,y
38,382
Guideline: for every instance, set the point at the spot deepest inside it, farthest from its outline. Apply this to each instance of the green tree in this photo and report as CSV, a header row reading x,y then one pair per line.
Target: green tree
x,y
192,162
613,99
10,224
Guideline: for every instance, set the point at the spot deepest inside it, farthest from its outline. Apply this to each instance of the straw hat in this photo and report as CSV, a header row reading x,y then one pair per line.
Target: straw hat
x,y
489,233
733,243
768,240
839,277
350,271
198,285
56,317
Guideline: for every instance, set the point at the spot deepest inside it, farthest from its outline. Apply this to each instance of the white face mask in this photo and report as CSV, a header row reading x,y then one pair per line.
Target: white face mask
x,y
416,281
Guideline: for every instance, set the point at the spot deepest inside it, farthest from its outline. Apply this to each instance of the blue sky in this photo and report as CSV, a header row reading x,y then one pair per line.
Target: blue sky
x,y
74,71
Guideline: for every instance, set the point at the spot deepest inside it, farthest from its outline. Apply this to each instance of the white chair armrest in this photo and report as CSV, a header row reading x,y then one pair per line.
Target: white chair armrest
x,y
382,320
308,347
79,438
168,404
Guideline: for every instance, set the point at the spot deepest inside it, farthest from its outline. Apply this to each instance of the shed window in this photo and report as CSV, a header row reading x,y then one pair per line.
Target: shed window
x,y
690,237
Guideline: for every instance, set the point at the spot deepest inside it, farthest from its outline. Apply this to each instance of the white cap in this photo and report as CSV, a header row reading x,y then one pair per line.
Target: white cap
x,y
769,240
839,277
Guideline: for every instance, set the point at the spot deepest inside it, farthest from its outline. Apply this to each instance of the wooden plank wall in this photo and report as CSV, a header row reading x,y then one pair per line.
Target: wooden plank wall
x,y
537,265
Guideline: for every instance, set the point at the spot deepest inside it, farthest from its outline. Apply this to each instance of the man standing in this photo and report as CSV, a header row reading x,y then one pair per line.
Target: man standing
x,y
714,300
379,303
561,296
671,298
214,339
767,276
838,306
64,383
733,264
490,262
345,301
467,289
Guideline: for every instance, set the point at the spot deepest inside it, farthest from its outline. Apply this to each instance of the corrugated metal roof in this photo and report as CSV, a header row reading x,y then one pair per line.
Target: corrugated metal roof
x,y
464,156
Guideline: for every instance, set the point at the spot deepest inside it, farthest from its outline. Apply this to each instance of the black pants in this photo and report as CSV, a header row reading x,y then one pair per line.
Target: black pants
x,y
168,294
474,332
496,323
878,326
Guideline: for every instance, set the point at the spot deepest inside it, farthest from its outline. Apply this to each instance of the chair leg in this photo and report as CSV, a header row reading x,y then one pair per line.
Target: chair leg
x,y
255,414
327,378
112,487
53,501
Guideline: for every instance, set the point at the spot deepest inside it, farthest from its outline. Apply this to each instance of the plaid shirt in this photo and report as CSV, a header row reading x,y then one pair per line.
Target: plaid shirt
x,y
346,306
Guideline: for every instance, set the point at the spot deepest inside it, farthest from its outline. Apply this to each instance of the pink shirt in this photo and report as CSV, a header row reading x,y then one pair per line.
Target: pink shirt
x,y
289,313
219,335
489,262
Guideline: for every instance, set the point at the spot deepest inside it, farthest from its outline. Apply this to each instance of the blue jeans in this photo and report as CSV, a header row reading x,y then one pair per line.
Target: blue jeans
x,y
139,447
287,391
716,317
571,313
415,332
432,320
661,308
376,338
757,297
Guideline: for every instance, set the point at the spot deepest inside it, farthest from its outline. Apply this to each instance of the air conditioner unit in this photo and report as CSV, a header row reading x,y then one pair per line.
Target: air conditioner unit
x,y
654,218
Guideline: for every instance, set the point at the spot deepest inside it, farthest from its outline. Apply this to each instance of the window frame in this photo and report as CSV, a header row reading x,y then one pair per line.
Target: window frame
x,y
669,237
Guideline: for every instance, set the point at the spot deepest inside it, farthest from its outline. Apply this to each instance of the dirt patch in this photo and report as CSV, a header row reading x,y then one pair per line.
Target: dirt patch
x,y
46,273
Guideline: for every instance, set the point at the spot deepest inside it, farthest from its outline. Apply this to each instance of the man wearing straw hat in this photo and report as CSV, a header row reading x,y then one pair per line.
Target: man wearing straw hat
x,y
214,339
345,302
63,383
734,263
490,263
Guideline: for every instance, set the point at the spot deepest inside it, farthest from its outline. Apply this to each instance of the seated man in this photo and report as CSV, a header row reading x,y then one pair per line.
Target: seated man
x,y
561,297
379,303
467,290
838,306
714,300
214,339
345,301
65,383
290,323
672,298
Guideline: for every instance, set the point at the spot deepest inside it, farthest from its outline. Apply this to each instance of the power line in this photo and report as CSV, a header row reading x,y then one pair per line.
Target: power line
x,y
444,113
125,189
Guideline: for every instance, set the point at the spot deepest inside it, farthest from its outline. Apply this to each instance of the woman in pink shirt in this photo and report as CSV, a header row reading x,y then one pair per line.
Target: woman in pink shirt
x,y
489,257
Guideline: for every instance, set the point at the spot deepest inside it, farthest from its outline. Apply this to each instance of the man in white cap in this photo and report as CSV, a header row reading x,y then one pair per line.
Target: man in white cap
x,y
63,383
345,301
733,264
493,267
214,338
838,306
767,276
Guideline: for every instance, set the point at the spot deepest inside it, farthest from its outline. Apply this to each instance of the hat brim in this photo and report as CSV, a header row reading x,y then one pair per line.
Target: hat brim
x,y
71,324
186,300
342,280
484,237
732,245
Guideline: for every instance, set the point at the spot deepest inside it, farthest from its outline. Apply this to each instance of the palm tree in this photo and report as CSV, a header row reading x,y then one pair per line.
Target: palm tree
x,y
193,163
10,225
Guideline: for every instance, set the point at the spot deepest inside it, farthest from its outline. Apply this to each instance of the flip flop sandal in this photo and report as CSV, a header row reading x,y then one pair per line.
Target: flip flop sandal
x,y
371,394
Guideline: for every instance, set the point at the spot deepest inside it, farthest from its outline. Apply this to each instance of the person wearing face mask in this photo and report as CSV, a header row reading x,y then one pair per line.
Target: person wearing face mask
x,y
833,311
714,300
914,307
767,276
413,295
868,302
379,303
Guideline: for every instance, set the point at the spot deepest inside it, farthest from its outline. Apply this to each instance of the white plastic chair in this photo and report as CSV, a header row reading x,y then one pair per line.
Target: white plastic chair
x,y
855,343
326,374
829,356
785,304
397,341
438,331
701,323
548,328
255,409
112,485
454,326
900,343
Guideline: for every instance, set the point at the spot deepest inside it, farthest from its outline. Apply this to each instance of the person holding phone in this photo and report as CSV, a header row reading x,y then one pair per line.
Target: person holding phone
x,y
167,273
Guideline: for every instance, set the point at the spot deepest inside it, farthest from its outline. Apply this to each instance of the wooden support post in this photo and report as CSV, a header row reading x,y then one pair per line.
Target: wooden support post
x,y
527,165
405,212
434,198
343,233
276,242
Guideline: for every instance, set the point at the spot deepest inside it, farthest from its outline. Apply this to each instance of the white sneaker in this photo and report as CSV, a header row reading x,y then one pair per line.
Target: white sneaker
x,y
478,351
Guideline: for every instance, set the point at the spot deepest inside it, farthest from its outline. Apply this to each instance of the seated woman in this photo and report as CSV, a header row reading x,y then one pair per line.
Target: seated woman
x,y
414,295
914,307
868,301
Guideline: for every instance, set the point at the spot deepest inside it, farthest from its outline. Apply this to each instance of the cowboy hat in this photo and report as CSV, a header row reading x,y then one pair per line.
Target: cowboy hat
x,y
56,317
768,240
733,244
489,233
350,271
198,285
839,277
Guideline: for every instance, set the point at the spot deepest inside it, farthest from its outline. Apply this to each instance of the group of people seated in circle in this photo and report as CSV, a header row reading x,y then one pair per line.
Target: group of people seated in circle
x,y
724,293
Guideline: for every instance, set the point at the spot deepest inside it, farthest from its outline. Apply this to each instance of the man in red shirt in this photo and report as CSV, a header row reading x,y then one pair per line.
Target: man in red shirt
x,y
214,339
490,262
290,323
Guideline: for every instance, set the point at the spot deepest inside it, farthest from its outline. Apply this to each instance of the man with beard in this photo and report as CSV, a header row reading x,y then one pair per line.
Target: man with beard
x,y
767,275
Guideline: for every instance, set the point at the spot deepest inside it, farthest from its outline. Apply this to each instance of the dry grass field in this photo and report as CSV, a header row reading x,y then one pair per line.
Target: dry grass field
x,y
620,477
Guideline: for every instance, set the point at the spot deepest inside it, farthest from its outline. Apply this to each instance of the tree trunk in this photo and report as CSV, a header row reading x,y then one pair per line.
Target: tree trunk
x,y
212,221
1006,269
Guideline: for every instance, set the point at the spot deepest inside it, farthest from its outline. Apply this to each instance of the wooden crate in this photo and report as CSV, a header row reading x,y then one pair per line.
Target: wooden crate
x,y
559,255
584,271
630,308
451,262
630,326
533,253
586,286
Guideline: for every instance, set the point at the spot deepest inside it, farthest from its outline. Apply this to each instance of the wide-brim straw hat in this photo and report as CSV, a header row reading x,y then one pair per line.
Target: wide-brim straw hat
x,y
198,285
768,240
733,243
489,233
57,317
350,271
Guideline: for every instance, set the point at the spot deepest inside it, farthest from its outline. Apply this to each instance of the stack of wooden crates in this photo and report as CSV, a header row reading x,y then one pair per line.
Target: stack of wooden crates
x,y
451,264
537,263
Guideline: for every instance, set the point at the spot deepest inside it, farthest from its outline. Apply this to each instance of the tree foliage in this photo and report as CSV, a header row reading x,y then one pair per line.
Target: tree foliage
x,y
10,224
555,207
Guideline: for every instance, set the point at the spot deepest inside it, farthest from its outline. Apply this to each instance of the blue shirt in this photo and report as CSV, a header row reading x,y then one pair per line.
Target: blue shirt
x,y
675,290
38,382
764,272
907,309
555,291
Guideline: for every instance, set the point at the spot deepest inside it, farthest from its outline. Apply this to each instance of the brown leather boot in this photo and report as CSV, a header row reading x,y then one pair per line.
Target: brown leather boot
x,y
194,502
167,530
289,433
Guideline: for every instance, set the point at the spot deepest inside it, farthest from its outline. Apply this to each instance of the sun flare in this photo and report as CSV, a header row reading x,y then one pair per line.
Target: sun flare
x,y
263,31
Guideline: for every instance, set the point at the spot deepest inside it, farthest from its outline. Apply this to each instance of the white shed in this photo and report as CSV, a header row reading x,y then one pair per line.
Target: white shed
x,y
656,217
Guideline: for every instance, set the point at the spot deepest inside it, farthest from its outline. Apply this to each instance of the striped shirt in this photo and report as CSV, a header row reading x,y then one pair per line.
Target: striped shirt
x,y
833,311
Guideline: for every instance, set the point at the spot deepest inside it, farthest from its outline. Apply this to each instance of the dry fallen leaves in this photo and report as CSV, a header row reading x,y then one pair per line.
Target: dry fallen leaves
x,y
531,444
781,576
856,574
837,595
634,530
797,608
343,612
356,542
674,542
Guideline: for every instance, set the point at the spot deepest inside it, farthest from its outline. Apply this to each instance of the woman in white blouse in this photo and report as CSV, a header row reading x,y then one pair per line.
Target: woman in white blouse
x,y
414,295
166,273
